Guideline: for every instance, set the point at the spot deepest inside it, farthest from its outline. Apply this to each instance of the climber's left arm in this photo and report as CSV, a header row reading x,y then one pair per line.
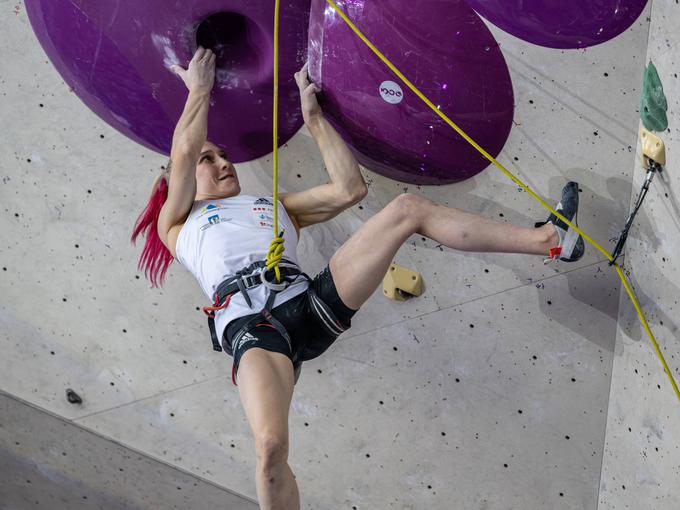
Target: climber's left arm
x,y
347,186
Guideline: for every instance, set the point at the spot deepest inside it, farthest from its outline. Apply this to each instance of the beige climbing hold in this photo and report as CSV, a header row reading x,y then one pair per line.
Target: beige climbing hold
x,y
401,283
652,148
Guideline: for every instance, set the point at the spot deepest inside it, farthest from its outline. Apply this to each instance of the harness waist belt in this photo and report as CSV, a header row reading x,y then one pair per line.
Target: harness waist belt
x,y
248,278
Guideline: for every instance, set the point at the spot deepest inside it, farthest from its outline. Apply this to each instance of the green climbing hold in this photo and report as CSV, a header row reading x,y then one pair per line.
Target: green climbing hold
x,y
653,105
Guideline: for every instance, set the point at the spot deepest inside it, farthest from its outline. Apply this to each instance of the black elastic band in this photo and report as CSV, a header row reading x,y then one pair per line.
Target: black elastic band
x,y
213,335
244,291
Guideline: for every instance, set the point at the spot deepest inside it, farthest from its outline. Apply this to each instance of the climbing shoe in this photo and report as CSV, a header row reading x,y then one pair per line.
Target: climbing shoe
x,y
571,246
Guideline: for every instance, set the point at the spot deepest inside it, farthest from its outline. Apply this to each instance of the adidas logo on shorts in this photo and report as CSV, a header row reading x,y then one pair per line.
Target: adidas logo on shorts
x,y
244,338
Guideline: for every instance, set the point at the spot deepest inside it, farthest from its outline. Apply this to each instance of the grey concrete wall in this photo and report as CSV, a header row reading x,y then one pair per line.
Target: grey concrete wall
x,y
49,462
641,465
489,391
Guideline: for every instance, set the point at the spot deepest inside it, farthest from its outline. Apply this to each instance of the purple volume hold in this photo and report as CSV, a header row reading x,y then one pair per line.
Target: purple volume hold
x,y
117,56
561,24
445,49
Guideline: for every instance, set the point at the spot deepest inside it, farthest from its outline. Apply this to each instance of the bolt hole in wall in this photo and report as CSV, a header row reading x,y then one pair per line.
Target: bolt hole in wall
x,y
241,46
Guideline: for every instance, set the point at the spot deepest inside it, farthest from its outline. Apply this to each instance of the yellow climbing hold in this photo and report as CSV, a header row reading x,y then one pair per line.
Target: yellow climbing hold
x,y
652,148
401,283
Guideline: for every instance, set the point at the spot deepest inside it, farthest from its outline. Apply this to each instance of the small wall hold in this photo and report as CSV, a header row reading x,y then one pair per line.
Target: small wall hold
x,y
401,283
73,397
652,148
653,105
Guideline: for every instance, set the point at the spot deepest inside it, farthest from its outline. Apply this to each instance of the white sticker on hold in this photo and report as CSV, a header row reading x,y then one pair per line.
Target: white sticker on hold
x,y
391,92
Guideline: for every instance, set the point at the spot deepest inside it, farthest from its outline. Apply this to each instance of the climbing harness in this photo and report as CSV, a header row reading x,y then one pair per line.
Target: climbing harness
x,y
246,279
511,176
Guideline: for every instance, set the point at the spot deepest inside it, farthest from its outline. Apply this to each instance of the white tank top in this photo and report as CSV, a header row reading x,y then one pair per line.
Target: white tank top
x,y
223,236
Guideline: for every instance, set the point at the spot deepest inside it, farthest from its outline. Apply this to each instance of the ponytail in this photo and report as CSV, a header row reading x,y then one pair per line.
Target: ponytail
x,y
155,257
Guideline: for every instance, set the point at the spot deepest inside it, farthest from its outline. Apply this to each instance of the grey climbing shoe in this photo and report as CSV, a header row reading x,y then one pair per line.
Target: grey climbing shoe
x,y
571,246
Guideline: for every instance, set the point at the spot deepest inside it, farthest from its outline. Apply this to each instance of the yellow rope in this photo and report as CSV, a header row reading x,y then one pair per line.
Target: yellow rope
x,y
276,248
493,160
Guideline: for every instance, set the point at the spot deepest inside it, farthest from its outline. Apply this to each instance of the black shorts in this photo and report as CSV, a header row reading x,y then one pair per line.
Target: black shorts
x,y
307,322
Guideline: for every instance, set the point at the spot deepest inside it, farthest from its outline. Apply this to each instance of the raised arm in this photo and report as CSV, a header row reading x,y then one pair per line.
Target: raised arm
x,y
347,186
188,139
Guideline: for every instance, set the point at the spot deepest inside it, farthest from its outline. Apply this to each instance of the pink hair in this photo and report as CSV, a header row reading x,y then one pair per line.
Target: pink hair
x,y
155,258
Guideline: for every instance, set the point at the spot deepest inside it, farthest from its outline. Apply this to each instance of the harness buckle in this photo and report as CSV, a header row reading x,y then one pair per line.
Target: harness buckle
x,y
252,280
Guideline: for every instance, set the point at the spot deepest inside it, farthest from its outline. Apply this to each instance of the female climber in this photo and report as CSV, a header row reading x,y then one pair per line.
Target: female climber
x,y
198,215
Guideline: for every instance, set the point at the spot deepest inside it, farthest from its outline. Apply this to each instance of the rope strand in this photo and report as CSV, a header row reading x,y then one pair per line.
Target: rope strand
x,y
276,248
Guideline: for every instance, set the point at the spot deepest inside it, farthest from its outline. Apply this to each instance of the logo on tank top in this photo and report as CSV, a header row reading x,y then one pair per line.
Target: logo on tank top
x,y
213,219
208,207
263,213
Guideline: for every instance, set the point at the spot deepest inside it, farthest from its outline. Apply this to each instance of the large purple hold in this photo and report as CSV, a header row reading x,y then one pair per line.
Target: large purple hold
x,y
561,24
116,56
445,49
